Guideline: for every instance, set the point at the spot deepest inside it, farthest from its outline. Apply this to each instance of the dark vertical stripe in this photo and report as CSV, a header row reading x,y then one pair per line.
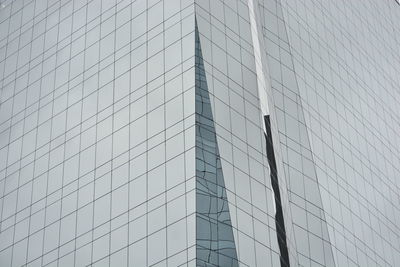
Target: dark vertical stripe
x,y
279,220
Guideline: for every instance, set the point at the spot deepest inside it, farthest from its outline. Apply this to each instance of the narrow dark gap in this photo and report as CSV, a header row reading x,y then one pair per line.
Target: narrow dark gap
x,y
279,220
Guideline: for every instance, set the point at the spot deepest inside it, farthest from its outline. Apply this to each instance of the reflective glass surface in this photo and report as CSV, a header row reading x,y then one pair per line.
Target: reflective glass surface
x,y
132,133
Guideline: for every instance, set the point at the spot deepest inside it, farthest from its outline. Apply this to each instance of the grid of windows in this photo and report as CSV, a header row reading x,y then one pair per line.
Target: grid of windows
x,y
333,68
121,144
96,123
307,210
229,64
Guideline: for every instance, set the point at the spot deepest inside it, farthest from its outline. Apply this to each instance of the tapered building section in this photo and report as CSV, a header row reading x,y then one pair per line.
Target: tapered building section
x,y
199,133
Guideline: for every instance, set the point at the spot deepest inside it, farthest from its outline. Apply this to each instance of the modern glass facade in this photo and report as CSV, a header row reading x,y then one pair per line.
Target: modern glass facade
x,y
199,133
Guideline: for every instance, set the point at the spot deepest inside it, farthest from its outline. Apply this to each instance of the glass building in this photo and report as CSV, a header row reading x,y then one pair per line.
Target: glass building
x,y
199,133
